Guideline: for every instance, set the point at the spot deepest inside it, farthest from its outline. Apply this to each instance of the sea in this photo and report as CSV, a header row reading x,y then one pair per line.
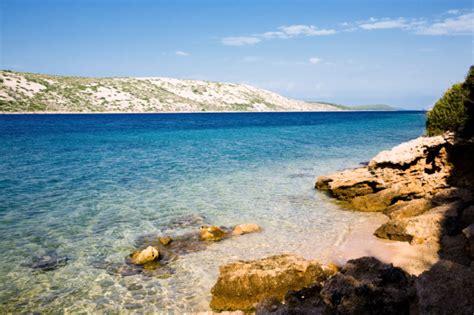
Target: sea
x,y
79,191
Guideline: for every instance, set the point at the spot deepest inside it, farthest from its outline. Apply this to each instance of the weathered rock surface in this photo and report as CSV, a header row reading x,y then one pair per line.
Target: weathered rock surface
x,y
364,286
447,288
407,153
211,233
428,226
165,240
416,169
246,228
410,208
243,284
141,257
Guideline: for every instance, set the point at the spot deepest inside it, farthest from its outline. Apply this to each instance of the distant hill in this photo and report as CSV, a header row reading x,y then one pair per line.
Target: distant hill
x,y
27,92
374,107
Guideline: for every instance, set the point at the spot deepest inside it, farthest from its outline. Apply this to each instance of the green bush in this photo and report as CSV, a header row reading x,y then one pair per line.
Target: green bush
x,y
453,111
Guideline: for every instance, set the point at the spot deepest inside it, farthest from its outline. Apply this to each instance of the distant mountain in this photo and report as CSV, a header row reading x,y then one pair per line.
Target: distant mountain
x,y
27,92
374,107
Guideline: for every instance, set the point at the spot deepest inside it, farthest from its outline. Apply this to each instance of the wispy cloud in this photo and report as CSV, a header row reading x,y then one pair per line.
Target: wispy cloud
x,y
239,40
454,11
385,23
314,60
282,32
305,30
459,22
182,53
460,25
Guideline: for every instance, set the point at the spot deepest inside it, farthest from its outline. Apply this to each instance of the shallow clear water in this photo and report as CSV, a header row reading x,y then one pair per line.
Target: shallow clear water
x,y
86,187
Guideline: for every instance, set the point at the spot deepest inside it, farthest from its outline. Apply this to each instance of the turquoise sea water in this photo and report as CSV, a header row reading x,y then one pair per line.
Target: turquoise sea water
x,y
84,188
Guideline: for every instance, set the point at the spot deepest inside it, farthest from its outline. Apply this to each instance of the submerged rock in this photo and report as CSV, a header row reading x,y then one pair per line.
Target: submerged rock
x,y
165,240
144,256
246,228
211,233
243,284
48,262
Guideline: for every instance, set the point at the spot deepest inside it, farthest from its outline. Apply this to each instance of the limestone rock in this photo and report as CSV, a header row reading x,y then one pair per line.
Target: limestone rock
x,y
246,228
446,288
374,202
144,256
211,233
410,208
408,152
451,194
349,183
364,286
165,240
241,285
368,286
427,227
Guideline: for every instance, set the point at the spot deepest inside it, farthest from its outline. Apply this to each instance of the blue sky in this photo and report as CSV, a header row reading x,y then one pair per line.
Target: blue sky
x,y
403,53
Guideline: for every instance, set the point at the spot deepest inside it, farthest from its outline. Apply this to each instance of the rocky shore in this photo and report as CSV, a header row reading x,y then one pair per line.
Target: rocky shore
x,y
425,188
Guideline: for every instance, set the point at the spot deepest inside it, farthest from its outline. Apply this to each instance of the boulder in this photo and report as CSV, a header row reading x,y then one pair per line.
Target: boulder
x,y
245,228
243,284
164,240
368,286
446,288
211,233
408,208
141,257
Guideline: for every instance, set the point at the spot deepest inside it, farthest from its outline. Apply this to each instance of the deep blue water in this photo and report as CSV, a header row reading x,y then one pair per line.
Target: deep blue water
x,y
87,186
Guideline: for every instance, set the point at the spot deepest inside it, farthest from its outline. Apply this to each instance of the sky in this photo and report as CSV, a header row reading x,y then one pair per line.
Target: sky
x,y
403,53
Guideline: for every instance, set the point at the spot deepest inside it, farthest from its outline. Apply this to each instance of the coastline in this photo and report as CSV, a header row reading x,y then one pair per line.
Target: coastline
x,y
409,259
209,112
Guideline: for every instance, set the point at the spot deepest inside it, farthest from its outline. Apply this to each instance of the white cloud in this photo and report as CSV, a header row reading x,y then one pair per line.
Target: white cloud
x,y
459,25
270,35
314,60
239,40
452,12
375,24
182,53
305,30
283,32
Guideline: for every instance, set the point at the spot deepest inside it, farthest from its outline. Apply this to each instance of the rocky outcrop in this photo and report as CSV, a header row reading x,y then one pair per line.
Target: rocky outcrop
x,y
363,286
243,284
425,187
413,185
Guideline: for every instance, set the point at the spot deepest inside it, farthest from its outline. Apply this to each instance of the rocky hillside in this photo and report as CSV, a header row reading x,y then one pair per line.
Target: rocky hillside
x,y
27,92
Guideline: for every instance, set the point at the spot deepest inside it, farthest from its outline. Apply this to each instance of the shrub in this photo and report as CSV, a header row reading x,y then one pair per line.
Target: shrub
x,y
454,110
